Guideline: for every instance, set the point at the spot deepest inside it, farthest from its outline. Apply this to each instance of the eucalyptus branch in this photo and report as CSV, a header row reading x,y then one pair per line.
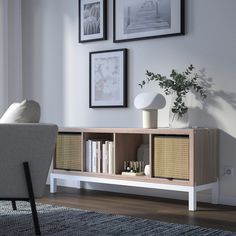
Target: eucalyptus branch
x,y
178,83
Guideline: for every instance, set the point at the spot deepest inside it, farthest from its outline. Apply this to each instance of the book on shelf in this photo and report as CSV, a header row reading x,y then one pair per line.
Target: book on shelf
x,y
99,156
94,156
111,160
89,155
105,157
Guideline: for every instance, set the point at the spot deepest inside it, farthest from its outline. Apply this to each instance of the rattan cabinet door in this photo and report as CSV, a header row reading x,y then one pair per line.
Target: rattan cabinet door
x,y
171,157
68,152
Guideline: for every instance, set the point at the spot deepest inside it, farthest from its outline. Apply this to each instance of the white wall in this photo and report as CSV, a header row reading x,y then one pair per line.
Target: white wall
x,y
10,53
14,51
56,69
3,54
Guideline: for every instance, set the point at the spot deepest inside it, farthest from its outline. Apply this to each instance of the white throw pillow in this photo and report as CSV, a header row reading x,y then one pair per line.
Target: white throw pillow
x,y
27,111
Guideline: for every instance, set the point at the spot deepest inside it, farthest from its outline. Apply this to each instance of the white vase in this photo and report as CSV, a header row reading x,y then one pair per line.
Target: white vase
x,y
176,121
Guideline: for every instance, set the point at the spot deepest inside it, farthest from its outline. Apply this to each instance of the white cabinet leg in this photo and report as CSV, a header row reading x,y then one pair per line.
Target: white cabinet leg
x,y
192,199
215,193
53,185
79,184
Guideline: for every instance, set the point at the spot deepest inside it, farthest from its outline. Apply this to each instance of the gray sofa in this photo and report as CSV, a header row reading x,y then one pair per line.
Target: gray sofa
x,y
26,152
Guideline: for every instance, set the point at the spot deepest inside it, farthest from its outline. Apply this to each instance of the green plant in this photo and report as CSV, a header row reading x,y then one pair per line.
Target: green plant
x,y
180,84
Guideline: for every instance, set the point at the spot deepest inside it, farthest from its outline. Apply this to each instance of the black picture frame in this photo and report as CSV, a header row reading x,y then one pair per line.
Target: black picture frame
x,y
168,21
92,21
108,78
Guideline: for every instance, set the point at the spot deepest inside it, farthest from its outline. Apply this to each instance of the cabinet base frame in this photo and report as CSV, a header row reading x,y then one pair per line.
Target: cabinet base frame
x,y
191,190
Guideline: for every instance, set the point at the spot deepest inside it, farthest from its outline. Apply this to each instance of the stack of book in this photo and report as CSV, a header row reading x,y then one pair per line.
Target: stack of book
x,y
100,156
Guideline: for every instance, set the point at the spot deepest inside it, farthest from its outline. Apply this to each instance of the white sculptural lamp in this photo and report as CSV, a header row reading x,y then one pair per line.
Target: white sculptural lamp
x,y
149,103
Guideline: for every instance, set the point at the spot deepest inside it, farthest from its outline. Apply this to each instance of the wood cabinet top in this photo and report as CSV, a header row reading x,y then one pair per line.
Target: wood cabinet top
x,y
133,130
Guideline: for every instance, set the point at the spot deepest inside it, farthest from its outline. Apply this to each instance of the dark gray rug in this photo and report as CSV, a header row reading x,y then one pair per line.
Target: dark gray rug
x,y
66,221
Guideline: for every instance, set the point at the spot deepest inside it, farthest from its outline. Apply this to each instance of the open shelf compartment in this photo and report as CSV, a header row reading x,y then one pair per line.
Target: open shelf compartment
x,y
131,147
93,142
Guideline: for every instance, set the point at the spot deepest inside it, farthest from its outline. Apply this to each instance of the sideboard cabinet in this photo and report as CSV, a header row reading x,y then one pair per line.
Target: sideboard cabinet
x,y
183,160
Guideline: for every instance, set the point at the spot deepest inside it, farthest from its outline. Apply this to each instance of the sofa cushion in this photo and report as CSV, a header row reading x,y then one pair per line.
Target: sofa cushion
x,y
27,111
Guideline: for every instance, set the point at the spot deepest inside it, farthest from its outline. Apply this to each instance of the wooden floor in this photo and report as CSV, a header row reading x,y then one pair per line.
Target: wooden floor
x,y
210,216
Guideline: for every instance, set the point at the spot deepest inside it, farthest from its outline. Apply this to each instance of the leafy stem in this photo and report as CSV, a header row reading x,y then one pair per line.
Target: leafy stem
x,y
178,83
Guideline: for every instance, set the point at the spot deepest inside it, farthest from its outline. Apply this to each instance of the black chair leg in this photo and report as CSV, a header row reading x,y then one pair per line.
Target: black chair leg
x,y
31,198
35,217
13,203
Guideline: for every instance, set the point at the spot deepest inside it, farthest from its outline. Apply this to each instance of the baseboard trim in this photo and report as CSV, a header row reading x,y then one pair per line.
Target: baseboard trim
x,y
231,201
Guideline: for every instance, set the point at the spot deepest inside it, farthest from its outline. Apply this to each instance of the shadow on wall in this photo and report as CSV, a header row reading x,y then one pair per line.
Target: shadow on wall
x,y
206,117
202,116
227,150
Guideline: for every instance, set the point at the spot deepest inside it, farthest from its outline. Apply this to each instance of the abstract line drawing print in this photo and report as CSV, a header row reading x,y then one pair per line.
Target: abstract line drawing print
x,y
107,82
92,18
146,15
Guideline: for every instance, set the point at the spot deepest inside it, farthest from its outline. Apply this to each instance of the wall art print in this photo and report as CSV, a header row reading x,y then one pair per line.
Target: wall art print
x,y
92,20
144,19
108,78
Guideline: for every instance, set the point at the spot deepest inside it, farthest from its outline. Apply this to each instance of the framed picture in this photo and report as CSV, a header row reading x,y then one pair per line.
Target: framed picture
x,y
145,19
92,20
108,78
